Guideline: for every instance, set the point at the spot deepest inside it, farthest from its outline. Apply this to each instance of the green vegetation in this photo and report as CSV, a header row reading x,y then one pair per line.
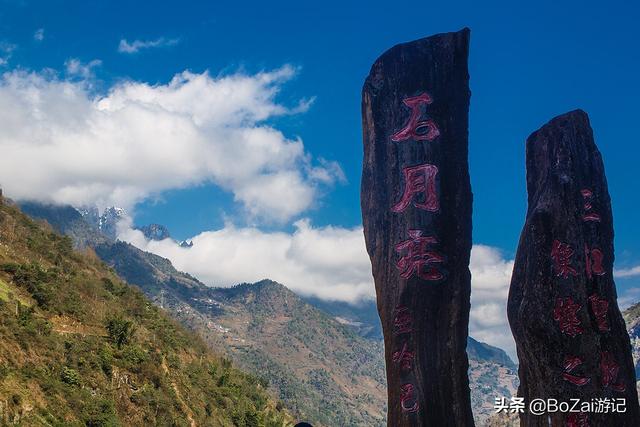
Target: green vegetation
x,y
81,348
120,330
321,370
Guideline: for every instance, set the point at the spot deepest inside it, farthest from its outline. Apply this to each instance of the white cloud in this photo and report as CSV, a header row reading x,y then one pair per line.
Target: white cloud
x,y
627,272
6,51
62,144
75,67
135,46
490,279
38,35
327,262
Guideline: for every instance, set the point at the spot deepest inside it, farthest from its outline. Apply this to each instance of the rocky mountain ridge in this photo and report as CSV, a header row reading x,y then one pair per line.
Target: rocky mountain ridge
x,y
155,231
632,319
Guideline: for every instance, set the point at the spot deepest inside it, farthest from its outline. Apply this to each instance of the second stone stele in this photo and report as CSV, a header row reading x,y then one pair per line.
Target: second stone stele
x,y
570,335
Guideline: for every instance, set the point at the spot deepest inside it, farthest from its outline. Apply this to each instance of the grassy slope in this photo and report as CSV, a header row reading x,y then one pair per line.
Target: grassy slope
x,y
336,376
80,347
330,375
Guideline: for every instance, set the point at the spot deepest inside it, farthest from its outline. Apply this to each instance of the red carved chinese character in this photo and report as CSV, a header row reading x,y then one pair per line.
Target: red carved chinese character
x,y
407,395
609,370
570,363
600,306
404,357
565,313
579,419
419,130
587,195
593,262
402,320
419,259
420,179
561,254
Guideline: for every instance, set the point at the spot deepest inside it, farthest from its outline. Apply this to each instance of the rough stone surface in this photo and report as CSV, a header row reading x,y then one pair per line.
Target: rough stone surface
x,y
570,335
419,241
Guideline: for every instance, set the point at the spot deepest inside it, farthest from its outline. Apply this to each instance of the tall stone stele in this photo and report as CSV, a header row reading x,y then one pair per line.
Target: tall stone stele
x,y
416,208
571,339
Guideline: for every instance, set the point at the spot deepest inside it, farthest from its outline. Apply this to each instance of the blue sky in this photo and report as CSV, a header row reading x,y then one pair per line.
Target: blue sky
x,y
528,63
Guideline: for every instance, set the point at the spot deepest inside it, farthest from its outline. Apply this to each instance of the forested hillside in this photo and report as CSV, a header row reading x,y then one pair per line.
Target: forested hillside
x,y
81,347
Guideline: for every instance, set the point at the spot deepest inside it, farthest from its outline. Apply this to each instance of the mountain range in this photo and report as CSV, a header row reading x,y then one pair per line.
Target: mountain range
x,y
81,347
632,318
322,359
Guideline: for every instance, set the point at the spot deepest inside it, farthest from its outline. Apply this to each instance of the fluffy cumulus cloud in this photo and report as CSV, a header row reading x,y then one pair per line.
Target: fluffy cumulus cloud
x,y
491,276
61,143
327,262
137,45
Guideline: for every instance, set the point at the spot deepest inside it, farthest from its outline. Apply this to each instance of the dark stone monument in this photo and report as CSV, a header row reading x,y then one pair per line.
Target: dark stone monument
x,y
571,339
416,208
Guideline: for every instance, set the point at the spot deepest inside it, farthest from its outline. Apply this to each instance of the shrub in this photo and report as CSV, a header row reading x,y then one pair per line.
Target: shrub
x,y
117,290
64,245
34,279
120,330
70,376
100,413
134,355
9,267
72,304
251,419
106,360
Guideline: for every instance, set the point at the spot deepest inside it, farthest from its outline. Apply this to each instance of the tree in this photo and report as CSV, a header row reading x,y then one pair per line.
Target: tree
x,y
120,330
